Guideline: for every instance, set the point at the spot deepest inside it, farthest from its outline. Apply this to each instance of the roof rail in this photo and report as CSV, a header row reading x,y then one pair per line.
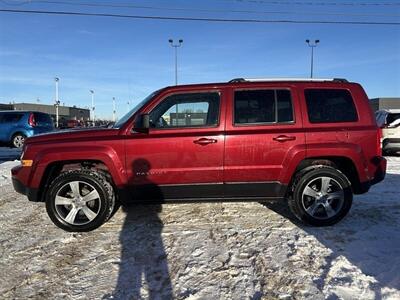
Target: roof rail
x,y
286,79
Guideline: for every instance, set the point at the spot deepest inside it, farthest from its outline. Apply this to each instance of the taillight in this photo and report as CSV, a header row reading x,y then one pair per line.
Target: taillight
x,y
379,142
31,120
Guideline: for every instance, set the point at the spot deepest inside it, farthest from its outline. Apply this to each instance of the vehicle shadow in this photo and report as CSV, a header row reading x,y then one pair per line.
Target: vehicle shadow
x,y
143,271
368,237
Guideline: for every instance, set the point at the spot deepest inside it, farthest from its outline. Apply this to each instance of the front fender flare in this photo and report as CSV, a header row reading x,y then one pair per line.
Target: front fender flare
x,y
105,154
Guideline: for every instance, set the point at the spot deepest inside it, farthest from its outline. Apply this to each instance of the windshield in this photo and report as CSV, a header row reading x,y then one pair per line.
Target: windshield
x,y
134,110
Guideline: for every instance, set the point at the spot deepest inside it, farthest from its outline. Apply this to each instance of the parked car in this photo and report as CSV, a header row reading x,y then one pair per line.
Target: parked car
x,y
74,123
16,126
312,142
389,121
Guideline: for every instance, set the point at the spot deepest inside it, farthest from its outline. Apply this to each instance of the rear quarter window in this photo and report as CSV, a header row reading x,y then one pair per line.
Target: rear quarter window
x,y
11,117
42,118
392,117
330,106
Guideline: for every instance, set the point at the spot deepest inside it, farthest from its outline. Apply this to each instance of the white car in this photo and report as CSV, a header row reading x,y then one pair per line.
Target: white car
x,y
389,121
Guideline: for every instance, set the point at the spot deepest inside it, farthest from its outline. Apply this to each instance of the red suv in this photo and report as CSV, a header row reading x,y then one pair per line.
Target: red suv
x,y
312,142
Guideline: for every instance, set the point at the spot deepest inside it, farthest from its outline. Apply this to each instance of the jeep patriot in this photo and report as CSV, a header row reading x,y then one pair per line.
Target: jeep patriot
x,y
312,142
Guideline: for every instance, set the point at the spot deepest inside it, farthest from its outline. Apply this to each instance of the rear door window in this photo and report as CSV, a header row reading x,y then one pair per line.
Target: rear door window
x,y
262,106
11,117
330,106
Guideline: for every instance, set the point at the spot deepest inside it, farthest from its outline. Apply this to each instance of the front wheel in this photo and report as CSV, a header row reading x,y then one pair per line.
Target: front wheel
x,y
80,200
321,197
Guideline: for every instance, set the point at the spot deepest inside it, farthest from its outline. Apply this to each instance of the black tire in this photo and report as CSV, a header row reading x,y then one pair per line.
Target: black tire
x,y
302,205
18,139
88,180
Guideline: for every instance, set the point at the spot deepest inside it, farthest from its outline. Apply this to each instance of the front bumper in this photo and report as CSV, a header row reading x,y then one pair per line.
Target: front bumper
x,y
19,187
32,194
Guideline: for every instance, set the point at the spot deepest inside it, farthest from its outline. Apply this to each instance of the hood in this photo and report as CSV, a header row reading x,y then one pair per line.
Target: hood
x,y
87,133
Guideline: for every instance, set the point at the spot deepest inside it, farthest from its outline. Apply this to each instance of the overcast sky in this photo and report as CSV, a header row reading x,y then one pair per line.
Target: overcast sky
x,y
129,58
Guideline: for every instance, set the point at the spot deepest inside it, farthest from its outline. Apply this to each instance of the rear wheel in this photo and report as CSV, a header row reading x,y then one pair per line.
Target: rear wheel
x,y
18,140
80,200
321,196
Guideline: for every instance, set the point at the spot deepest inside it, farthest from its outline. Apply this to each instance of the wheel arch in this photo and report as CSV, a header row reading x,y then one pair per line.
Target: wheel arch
x,y
344,164
15,132
53,169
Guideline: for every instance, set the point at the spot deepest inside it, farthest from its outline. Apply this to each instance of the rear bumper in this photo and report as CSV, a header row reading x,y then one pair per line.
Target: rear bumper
x,y
379,171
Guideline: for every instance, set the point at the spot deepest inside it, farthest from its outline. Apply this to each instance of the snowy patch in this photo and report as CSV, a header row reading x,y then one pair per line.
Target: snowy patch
x,y
203,251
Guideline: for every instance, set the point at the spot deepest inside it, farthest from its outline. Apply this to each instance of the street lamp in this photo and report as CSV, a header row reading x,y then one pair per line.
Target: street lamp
x,y
312,45
176,46
113,109
93,117
56,79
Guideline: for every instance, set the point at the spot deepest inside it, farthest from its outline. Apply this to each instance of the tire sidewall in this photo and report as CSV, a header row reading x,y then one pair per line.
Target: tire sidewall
x,y
60,181
323,172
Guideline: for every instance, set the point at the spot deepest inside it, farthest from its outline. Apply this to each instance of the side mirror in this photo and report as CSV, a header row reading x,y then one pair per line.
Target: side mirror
x,y
142,123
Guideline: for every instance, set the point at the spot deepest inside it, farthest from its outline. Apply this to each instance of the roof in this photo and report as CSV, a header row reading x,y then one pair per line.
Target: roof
x,y
246,81
389,110
289,79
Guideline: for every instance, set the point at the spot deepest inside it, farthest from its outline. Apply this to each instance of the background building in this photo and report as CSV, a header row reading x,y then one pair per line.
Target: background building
x,y
6,107
65,113
384,103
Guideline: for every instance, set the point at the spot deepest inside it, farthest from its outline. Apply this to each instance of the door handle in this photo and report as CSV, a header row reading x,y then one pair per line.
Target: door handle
x,y
205,141
284,138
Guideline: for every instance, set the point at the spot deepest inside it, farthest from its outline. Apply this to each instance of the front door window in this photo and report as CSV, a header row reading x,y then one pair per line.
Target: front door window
x,y
186,110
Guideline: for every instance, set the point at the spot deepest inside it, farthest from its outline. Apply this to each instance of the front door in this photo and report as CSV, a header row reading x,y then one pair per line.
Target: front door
x,y
181,157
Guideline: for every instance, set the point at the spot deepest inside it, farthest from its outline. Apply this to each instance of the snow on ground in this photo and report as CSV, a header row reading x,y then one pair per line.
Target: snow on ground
x,y
203,251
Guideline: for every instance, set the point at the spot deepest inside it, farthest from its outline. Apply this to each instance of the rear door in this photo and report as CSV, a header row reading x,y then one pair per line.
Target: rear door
x,y
10,125
2,128
263,137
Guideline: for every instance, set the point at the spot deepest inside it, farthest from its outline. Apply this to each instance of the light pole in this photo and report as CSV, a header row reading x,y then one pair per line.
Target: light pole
x,y
56,79
113,109
93,117
176,46
312,45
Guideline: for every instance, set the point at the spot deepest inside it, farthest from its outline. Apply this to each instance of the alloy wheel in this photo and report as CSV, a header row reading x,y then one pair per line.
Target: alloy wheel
x,y
18,141
77,203
323,198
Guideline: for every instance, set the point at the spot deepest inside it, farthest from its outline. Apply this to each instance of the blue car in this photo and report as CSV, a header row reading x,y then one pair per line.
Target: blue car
x,y
16,126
